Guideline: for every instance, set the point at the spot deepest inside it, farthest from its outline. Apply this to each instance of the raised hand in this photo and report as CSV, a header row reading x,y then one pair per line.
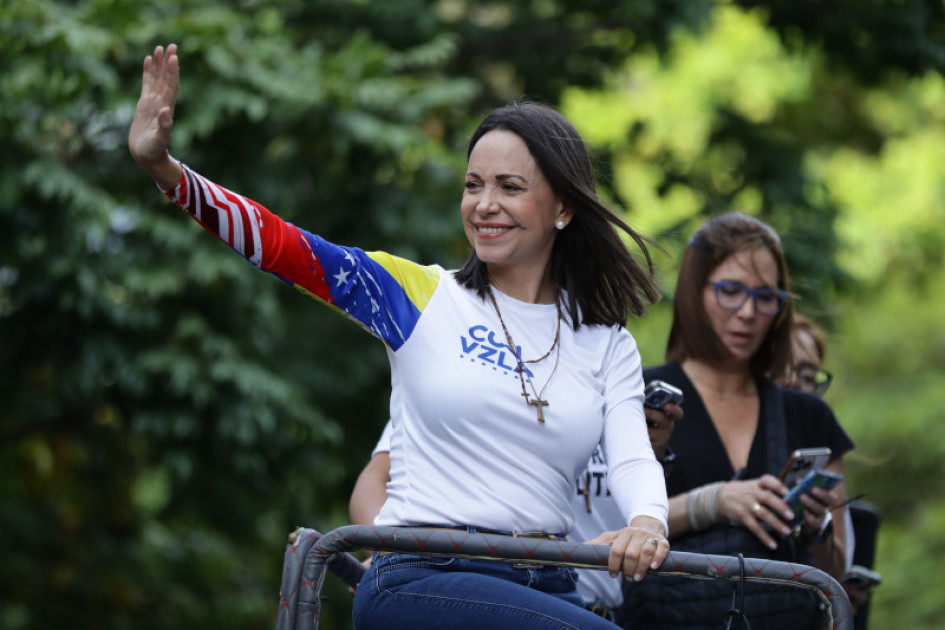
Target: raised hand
x,y
150,134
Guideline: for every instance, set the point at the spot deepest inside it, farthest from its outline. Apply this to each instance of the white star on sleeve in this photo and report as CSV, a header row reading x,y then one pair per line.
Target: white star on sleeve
x,y
342,277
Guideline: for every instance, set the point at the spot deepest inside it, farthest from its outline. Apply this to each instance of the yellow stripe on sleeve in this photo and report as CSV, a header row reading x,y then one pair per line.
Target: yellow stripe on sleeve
x,y
417,281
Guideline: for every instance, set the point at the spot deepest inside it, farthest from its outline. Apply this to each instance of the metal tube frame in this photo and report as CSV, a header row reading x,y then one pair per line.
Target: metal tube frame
x,y
330,551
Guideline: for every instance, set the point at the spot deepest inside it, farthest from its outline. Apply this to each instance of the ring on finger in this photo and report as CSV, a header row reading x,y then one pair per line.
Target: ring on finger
x,y
655,541
756,508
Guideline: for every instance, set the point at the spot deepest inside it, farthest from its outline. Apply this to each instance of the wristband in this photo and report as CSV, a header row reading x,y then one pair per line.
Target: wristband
x,y
668,461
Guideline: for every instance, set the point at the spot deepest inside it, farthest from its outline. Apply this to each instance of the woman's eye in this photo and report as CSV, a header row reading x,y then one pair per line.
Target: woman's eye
x,y
730,290
766,297
471,185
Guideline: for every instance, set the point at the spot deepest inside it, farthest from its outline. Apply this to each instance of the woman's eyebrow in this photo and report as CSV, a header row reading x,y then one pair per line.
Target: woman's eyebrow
x,y
505,176
500,177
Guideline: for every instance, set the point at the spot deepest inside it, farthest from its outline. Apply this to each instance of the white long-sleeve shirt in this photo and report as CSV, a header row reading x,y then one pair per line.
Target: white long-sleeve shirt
x,y
465,447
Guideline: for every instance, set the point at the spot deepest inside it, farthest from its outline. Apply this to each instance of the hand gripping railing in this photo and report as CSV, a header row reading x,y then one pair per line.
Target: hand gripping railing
x,y
309,555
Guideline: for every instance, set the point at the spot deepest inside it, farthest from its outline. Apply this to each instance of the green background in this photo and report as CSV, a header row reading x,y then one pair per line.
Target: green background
x,y
167,415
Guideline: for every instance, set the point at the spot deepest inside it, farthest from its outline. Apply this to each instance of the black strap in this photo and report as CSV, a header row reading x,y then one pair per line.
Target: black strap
x,y
776,451
735,616
775,426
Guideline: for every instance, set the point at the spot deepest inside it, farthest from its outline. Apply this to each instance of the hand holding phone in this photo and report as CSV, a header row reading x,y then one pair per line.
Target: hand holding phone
x,y
660,426
658,394
801,462
825,479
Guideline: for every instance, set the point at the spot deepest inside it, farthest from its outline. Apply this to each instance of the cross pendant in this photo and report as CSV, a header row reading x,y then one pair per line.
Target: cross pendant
x,y
587,498
537,403
587,492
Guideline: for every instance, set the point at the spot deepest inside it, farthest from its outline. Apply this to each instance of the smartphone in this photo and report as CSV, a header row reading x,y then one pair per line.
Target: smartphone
x,y
826,479
862,578
660,393
801,462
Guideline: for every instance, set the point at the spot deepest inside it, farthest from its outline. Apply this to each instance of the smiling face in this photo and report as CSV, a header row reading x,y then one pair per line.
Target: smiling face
x,y
509,209
742,331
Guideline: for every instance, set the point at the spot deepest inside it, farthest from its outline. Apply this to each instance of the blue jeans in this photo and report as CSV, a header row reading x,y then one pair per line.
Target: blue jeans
x,y
409,591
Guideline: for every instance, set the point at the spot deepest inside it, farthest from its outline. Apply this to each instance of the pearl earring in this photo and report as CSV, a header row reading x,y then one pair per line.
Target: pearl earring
x,y
560,224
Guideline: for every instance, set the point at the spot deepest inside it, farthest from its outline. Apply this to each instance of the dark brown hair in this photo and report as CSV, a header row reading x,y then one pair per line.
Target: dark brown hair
x,y
603,280
803,324
691,335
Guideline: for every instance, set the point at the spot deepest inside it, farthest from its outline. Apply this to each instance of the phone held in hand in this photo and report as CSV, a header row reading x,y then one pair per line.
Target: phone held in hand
x,y
826,479
660,393
801,462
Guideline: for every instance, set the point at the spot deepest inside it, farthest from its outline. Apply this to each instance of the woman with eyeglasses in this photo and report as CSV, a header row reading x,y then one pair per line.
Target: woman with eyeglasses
x,y
808,347
806,373
732,318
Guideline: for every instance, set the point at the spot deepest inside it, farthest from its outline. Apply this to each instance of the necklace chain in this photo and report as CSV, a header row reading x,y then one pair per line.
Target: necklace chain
x,y
537,402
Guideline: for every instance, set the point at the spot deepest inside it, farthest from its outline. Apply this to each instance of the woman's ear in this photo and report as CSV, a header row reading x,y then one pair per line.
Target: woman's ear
x,y
563,218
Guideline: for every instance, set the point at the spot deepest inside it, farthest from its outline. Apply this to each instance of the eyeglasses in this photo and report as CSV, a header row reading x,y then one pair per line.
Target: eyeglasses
x,y
732,295
808,378
811,379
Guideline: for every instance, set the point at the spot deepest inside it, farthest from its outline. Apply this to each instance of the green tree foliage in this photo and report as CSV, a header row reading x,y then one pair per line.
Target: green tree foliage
x,y
868,38
793,118
168,414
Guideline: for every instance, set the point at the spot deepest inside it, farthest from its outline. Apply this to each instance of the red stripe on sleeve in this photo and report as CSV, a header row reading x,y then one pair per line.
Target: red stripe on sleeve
x,y
267,241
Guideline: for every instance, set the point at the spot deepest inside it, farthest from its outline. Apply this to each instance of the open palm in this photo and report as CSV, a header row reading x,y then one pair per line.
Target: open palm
x,y
150,134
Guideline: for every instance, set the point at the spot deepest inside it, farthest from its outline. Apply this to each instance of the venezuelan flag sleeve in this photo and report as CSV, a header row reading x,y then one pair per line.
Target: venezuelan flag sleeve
x,y
384,294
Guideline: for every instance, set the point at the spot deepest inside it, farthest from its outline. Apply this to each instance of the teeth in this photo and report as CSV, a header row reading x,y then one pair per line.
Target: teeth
x,y
492,230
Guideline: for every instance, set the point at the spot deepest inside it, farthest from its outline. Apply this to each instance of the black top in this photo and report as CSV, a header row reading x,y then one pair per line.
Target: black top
x,y
700,455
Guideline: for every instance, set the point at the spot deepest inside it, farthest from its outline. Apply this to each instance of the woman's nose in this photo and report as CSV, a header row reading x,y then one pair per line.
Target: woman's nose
x,y
748,309
487,203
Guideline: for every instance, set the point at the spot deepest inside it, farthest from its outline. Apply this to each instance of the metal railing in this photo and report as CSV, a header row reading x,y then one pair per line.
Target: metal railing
x,y
310,555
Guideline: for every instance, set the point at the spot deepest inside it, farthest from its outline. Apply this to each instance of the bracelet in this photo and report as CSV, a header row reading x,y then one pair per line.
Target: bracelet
x,y
703,507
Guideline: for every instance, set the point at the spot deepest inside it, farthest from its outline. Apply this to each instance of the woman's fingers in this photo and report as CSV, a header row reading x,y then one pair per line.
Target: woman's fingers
x,y
636,550
606,538
150,134
765,514
816,506
674,411
149,138
757,504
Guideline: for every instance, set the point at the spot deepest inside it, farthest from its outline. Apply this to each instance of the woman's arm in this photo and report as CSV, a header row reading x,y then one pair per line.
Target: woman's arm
x,y
758,502
754,503
385,294
370,490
